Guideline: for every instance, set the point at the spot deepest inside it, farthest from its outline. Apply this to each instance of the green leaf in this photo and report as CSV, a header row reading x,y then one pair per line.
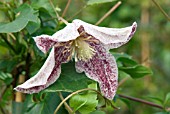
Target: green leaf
x,y
120,55
47,106
93,2
37,4
33,26
98,112
6,77
136,71
85,102
127,61
25,14
69,80
9,64
129,66
122,74
167,98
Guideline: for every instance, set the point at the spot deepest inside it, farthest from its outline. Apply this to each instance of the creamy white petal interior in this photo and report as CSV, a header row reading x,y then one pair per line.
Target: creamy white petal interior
x,y
66,34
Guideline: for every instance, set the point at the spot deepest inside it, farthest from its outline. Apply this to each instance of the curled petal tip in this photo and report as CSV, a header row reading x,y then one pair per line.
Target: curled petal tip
x,y
44,42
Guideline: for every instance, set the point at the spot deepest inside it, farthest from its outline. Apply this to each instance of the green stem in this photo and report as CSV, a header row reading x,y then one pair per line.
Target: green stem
x,y
76,92
8,43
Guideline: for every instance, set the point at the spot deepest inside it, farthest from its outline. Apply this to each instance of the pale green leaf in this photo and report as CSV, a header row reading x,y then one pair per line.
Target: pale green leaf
x,y
25,14
85,102
167,98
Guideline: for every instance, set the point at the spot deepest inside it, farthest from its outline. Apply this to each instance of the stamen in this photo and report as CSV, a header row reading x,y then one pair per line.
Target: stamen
x,y
81,50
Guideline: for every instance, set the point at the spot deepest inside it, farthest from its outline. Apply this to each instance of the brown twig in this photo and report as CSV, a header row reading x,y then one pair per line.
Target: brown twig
x,y
123,81
142,101
66,8
76,13
109,12
160,8
59,18
65,104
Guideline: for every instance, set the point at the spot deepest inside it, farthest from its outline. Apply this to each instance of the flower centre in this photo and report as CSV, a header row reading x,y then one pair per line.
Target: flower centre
x,y
81,50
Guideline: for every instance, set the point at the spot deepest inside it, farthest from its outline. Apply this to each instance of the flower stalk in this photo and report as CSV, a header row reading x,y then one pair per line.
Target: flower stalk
x,y
74,93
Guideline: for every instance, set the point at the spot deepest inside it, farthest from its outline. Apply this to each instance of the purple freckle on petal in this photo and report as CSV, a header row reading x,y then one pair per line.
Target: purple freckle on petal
x,y
103,69
99,64
133,31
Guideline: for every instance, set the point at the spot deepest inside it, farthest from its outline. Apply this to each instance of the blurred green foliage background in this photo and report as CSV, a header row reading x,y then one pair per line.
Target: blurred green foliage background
x,y
150,46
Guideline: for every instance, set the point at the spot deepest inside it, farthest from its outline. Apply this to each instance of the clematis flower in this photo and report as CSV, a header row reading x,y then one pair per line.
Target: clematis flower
x,y
89,45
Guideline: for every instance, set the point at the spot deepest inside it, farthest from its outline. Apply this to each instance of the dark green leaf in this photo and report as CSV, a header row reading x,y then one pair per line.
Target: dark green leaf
x,y
122,74
69,80
33,26
25,14
47,106
137,71
120,55
8,65
93,2
127,61
85,102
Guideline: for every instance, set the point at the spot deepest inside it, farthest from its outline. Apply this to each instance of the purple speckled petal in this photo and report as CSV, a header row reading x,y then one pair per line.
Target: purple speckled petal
x,y
120,43
47,75
110,37
49,72
44,42
103,69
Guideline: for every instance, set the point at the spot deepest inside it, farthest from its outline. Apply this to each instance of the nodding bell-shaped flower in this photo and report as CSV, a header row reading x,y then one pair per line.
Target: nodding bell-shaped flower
x,y
89,45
